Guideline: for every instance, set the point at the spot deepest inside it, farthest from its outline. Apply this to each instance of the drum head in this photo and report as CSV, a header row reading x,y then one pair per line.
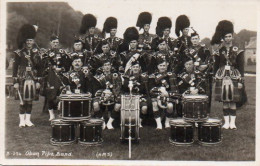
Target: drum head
x,y
58,121
213,120
195,96
93,121
178,121
75,96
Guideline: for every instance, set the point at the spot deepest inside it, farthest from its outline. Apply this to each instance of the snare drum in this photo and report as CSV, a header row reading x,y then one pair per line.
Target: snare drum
x,y
195,108
75,107
130,109
91,132
181,132
63,133
209,132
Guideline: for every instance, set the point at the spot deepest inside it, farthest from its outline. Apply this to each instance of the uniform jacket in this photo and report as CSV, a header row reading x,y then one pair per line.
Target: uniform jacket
x,y
169,41
235,56
21,62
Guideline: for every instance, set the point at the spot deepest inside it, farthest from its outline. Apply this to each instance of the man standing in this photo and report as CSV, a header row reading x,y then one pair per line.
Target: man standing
x,y
163,53
110,26
26,72
229,69
191,80
97,60
90,39
143,22
183,42
203,61
131,52
163,30
55,61
78,50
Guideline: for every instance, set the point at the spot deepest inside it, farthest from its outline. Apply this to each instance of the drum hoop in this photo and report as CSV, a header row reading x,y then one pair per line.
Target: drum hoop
x,y
62,124
128,96
180,125
60,121
211,124
181,143
75,119
76,99
191,120
195,97
91,143
62,143
76,96
217,120
210,144
93,123
175,122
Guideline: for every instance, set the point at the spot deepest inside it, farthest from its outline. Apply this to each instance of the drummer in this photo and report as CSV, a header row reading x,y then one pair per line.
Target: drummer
x,y
138,82
107,86
191,81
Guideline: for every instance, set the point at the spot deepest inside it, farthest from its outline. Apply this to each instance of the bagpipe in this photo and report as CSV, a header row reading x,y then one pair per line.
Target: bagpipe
x,y
160,93
111,94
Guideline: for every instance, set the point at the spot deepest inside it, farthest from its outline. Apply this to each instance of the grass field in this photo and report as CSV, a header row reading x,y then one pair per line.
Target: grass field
x,y
237,145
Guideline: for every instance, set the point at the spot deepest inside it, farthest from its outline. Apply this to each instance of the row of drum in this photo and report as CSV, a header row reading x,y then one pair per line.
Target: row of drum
x,y
89,132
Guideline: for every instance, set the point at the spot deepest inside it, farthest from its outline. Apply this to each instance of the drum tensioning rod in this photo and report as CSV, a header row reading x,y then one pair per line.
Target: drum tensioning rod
x,y
130,125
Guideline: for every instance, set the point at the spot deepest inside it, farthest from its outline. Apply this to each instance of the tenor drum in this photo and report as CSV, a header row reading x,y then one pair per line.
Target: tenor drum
x,y
195,108
63,133
91,132
181,132
209,132
75,107
130,109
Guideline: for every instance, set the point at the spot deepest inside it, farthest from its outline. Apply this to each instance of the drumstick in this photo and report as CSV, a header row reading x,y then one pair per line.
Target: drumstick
x,y
130,127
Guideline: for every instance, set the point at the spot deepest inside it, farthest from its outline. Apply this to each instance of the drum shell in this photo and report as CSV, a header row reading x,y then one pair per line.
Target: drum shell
x,y
91,132
210,132
75,107
63,132
195,109
181,133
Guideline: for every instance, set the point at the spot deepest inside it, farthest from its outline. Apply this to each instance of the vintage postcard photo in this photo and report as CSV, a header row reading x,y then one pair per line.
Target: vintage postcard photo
x,y
129,82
